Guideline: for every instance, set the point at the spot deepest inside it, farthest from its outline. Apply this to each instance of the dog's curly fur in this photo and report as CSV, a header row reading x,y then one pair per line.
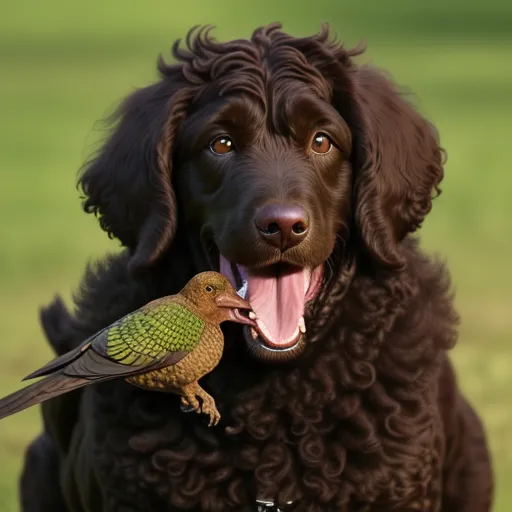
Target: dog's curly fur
x,y
369,417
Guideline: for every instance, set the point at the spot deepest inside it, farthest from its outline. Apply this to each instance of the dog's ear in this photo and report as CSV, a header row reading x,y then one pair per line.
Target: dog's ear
x,y
128,183
398,165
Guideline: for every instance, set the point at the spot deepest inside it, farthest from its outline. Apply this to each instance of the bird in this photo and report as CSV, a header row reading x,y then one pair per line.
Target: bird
x,y
166,345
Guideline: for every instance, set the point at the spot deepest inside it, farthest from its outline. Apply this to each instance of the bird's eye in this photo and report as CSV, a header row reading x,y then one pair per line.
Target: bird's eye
x,y
209,288
321,143
222,145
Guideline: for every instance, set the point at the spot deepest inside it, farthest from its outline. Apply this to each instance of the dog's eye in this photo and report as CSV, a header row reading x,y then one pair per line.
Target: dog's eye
x,y
222,145
321,144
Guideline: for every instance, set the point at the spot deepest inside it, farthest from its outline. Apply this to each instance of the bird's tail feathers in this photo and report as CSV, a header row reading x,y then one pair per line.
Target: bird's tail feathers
x,y
38,392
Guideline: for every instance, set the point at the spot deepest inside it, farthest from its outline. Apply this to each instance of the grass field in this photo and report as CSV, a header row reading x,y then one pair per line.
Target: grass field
x,y
64,65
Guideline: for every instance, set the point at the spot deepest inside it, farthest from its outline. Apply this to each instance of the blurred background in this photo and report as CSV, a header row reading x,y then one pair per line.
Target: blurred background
x,y
65,65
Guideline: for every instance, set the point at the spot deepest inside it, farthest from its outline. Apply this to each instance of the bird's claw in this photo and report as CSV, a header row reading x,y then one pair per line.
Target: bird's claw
x,y
186,408
213,415
190,403
209,408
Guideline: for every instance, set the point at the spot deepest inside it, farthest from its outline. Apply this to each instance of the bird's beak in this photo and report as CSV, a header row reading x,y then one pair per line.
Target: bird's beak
x,y
233,302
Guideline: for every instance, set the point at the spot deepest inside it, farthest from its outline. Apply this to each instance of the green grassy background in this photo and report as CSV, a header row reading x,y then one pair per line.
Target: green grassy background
x,y
64,65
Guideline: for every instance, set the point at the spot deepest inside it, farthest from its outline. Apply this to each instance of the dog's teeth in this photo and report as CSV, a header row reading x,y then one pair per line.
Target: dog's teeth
x,y
302,325
252,315
254,333
242,292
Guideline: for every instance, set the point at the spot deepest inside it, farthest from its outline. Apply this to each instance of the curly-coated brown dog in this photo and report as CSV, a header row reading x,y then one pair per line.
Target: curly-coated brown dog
x,y
300,175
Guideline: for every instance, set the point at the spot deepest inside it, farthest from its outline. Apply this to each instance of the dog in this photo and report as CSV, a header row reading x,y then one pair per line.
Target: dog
x,y
302,175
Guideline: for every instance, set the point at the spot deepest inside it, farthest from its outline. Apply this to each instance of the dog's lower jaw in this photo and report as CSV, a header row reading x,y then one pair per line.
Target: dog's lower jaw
x,y
261,351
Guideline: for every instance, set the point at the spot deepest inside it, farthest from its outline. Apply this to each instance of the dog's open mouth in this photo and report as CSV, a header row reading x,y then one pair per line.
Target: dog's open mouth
x,y
278,295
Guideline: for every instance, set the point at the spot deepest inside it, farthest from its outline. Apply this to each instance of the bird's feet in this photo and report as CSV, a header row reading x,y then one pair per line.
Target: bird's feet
x,y
209,408
189,402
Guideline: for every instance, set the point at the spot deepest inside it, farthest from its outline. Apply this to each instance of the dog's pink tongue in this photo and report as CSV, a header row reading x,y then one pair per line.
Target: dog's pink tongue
x,y
278,302
276,299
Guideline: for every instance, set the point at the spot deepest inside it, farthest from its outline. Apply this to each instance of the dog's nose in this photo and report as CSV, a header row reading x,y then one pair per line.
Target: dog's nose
x,y
282,226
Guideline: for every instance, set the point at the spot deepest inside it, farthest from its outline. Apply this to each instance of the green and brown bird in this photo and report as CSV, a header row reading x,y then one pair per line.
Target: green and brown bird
x,y
167,345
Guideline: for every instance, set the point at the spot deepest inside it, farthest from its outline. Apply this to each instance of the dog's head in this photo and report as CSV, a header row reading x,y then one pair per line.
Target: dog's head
x,y
271,152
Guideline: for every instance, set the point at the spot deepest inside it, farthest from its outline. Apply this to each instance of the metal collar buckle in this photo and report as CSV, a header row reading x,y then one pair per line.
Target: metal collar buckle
x,y
270,506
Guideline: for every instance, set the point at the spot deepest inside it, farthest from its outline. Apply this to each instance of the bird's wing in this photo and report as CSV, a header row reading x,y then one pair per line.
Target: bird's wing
x,y
147,339
150,333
